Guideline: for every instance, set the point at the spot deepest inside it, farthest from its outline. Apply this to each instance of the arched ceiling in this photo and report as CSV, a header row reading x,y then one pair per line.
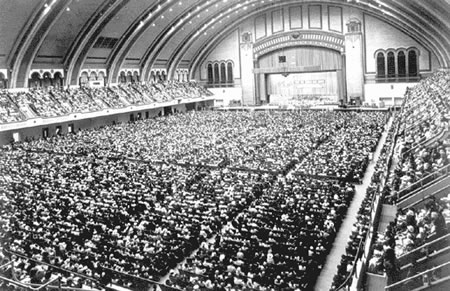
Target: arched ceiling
x,y
148,34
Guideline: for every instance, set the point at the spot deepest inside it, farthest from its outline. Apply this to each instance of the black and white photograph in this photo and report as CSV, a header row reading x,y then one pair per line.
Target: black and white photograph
x,y
224,145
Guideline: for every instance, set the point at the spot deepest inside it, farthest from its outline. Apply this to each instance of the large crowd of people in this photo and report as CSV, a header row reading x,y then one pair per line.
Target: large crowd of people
x,y
364,218
425,116
132,200
279,242
244,140
52,102
422,149
124,204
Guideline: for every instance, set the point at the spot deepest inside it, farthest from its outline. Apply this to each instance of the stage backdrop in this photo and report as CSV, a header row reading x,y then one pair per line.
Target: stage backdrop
x,y
303,88
301,76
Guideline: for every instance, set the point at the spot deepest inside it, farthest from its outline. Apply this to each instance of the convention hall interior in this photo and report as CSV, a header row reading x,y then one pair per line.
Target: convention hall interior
x,y
224,145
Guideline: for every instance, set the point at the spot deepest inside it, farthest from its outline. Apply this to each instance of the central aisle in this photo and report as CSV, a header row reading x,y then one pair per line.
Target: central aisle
x,y
340,243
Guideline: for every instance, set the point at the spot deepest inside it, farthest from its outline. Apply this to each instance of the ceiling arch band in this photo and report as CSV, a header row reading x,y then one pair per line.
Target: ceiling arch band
x,y
407,18
79,49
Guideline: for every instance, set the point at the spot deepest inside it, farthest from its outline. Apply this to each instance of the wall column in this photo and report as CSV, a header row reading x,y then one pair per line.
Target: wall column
x,y
354,65
248,79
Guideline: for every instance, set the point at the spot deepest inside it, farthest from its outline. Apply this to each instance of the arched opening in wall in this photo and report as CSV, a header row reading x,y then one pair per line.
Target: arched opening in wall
x,y
35,81
391,65
129,77
412,64
84,79
381,67
158,77
163,76
47,80
3,81
279,84
93,76
210,74
101,77
122,78
216,73
136,77
401,63
223,73
230,78
152,77
58,80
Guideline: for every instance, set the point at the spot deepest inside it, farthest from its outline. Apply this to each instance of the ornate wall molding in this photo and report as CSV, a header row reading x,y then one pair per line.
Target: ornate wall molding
x,y
299,38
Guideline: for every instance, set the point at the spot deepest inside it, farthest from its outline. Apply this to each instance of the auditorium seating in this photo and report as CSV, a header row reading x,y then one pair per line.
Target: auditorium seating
x,y
364,219
9,111
412,250
124,204
164,181
53,102
280,242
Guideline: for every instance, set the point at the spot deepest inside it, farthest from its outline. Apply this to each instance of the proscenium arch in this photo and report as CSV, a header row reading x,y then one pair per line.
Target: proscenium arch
x,y
86,38
294,38
212,42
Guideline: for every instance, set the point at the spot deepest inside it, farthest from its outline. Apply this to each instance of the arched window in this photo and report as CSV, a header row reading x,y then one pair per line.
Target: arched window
x,y
57,80
158,77
412,64
129,77
216,73
136,76
163,76
391,65
47,80
223,73
93,76
2,81
210,74
381,69
401,63
84,79
230,78
101,78
152,77
122,78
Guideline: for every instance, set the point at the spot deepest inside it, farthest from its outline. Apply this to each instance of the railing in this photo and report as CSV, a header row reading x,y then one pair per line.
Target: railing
x,y
143,282
423,250
424,142
422,279
363,252
89,279
36,287
220,85
353,270
410,190
396,79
